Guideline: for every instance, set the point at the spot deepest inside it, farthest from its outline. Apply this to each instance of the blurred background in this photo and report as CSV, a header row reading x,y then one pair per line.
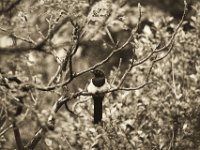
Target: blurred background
x,y
162,115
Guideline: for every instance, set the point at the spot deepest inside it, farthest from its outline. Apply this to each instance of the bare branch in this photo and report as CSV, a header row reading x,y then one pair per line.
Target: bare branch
x,y
5,130
17,137
51,123
68,58
39,45
125,74
166,54
16,36
115,50
176,30
70,111
156,50
109,35
53,78
130,89
64,99
75,38
38,136
97,64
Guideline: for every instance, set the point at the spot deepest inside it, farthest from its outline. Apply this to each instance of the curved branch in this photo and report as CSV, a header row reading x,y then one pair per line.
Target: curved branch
x,y
62,100
176,30
99,63
38,46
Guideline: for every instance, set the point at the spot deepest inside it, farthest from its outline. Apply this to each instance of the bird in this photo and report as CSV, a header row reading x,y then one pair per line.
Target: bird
x,y
97,86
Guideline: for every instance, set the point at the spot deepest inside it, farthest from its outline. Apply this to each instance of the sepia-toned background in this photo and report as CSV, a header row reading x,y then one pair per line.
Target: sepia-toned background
x,y
48,47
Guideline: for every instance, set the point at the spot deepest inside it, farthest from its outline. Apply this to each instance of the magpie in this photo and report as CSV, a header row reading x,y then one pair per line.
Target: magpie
x,y
97,85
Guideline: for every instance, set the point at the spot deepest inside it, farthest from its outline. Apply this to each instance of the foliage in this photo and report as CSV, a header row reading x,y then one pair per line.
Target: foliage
x,y
38,37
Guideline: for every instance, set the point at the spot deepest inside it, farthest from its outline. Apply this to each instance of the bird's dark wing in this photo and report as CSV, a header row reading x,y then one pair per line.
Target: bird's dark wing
x,y
98,81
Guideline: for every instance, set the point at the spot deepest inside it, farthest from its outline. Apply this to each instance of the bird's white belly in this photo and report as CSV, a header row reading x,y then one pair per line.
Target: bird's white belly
x,y
94,89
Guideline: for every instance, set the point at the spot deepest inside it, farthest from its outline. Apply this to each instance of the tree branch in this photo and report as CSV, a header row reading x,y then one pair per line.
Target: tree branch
x,y
17,137
97,64
38,136
67,61
62,100
50,124
39,45
176,30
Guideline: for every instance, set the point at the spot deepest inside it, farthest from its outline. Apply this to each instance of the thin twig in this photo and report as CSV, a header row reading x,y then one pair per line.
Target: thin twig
x,y
62,100
100,63
37,137
109,35
32,144
16,36
6,129
177,28
69,56
53,78
125,74
39,45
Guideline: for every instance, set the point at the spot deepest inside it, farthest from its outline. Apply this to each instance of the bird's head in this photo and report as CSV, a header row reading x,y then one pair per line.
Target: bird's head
x,y
98,73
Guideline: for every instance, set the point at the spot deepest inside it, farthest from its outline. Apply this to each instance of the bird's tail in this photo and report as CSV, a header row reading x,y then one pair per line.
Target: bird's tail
x,y
98,110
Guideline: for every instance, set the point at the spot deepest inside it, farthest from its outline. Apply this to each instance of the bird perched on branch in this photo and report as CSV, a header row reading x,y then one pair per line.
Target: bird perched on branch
x,y
97,86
